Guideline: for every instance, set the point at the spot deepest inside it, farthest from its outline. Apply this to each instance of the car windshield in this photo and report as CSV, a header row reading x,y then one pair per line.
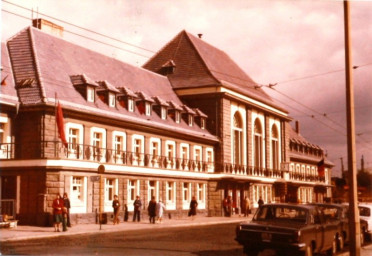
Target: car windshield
x,y
364,211
281,213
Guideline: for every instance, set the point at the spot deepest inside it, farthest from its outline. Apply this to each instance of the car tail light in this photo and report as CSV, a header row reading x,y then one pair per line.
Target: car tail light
x,y
296,236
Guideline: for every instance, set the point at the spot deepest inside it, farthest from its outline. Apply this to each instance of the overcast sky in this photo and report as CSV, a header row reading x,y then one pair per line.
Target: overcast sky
x,y
298,45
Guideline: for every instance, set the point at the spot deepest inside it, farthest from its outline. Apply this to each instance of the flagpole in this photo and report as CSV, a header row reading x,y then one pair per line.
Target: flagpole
x,y
55,124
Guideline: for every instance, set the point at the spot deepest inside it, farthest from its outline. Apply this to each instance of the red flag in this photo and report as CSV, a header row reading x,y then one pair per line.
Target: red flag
x,y
60,125
321,168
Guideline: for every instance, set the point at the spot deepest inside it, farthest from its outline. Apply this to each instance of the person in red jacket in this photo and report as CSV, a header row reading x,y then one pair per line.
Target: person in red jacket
x,y
57,212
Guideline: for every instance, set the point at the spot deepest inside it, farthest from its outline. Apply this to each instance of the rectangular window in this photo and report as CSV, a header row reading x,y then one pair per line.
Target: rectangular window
x,y
118,144
97,137
78,194
202,123
112,100
2,126
77,189
152,189
73,138
148,109
210,160
170,151
109,189
186,194
133,191
178,116
137,147
191,120
163,113
170,195
90,94
130,105
201,195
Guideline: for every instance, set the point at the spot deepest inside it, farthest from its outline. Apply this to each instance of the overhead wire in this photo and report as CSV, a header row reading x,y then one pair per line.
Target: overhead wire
x,y
255,85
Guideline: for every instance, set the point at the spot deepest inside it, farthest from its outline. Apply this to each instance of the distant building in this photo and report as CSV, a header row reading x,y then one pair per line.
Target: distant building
x,y
190,123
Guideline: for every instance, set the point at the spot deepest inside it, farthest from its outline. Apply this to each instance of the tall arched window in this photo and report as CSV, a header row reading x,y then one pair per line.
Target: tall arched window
x,y
237,139
258,159
275,147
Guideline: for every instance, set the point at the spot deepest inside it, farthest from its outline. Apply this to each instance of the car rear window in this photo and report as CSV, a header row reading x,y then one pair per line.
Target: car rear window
x,y
364,211
282,213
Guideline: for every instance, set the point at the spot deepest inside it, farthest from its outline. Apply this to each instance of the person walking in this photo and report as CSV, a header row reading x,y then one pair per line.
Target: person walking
x,y
260,202
246,206
125,212
193,206
57,212
137,209
116,206
160,207
152,209
66,202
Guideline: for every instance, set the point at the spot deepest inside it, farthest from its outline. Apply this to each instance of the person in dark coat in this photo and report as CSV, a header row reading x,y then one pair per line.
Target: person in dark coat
x,y
137,209
67,204
260,202
152,210
193,206
125,212
116,207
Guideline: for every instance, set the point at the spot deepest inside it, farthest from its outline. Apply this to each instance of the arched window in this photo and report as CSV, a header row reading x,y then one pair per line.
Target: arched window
x,y
258,158
237,139
275,147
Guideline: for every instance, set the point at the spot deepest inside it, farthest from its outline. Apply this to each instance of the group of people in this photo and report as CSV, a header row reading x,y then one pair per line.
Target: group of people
x,y
61,213
229,206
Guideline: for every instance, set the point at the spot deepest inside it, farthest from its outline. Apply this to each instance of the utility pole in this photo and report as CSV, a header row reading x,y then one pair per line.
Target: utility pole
x,y
354,225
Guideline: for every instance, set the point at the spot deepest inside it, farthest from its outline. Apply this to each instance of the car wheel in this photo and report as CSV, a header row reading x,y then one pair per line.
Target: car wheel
x,y
309,250
333,250
362,237
340,243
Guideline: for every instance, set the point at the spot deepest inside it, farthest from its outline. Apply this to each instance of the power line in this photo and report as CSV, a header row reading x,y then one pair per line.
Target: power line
x,y
89,38
89,30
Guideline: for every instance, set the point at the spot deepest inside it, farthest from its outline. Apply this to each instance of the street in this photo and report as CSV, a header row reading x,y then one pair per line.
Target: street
x,y
216,240
203,241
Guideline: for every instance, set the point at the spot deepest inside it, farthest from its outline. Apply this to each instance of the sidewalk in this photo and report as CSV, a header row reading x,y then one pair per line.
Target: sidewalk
x,y
31,232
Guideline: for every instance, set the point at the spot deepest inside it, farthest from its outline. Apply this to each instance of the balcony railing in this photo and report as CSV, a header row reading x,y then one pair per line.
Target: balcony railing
x,y
52,149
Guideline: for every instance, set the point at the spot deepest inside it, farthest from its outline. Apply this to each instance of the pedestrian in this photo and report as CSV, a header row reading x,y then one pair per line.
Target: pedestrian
x,y
137,209
260,202
224,203
246,206
160,207
66,202
193,206
125,212
57,212
64,219
229,206
116,207
152,210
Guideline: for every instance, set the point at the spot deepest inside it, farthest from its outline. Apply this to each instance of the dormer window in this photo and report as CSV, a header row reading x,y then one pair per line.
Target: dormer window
x,y
90,94
163,113
112,100
191,120
202,123
130,105
148,109
178,117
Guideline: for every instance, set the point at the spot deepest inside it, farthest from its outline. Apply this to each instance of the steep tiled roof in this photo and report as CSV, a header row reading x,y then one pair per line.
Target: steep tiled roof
x,y
58,66
199,64
8,93
107,86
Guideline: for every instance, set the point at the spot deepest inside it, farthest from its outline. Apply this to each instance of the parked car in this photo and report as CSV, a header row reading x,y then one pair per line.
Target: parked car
x,y
289,229
339,214
365,213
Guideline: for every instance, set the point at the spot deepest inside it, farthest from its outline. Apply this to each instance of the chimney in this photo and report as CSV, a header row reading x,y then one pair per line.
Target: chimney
x,y
48,26
297,127
200,35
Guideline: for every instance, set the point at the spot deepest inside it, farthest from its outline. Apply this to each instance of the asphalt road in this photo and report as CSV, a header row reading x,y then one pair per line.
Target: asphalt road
x,y
216,240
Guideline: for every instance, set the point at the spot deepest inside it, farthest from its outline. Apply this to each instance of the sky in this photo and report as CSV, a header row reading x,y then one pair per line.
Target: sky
x,y
296,45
